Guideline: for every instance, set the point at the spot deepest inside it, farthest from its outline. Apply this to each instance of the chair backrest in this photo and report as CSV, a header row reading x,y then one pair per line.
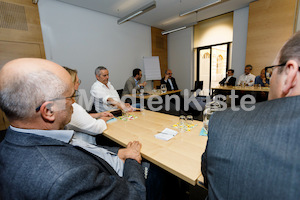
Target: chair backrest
x,y
93,109
120,91
198,85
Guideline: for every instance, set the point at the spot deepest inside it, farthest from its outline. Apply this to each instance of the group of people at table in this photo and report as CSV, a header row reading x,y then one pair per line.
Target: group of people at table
x,y
107,98
246,79
49,151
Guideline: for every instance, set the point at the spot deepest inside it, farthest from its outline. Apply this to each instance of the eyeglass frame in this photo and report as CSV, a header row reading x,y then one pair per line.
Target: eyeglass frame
x,y
271,67
74,95
280,65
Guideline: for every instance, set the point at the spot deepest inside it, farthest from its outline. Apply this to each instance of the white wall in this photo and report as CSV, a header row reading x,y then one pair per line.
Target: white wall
x,y
180,57
214,31
83,39
240,29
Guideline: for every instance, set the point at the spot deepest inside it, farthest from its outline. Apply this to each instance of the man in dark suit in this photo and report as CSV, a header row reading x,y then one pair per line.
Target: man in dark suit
x,y
169,81
36,159
255,154
229,80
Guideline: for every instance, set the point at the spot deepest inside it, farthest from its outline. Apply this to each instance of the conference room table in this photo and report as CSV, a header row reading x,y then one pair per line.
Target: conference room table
x,y
153,94
240,88
181,155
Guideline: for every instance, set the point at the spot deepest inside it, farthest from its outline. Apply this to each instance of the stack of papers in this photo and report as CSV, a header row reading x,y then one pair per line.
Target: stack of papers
x,y
166,134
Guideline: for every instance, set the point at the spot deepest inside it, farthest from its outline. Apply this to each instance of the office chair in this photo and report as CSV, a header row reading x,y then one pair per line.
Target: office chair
x,y
120,92
198,85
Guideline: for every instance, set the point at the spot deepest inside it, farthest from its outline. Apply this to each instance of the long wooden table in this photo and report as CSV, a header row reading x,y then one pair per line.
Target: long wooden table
x,y
153,94
246,88
180,156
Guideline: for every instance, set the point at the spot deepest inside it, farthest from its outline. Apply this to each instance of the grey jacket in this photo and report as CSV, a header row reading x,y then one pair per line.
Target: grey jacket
x,y
130,85
37,167
254,154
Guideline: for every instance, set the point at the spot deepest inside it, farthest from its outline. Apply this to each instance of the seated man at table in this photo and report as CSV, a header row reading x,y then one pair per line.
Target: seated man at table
x,y
104,94
255,154
134,82
261,79
229,80
169,80
37,161
263,82
247,78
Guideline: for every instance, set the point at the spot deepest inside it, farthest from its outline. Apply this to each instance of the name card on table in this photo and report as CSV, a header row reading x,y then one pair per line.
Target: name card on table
x,y
166,134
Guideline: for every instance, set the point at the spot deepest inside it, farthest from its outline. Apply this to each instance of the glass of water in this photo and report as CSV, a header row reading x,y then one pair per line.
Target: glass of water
x,y
163,88
181,125
210,108
189,120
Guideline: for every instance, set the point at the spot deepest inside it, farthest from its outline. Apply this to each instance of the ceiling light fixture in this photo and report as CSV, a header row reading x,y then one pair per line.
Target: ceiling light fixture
x,y
178,29
201,7
139,11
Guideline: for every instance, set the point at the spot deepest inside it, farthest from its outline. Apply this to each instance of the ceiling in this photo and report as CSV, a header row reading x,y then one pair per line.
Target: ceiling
x,y
166,14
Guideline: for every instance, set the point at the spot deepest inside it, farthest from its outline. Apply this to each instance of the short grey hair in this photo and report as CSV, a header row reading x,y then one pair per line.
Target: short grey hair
x,y
19,97
98,69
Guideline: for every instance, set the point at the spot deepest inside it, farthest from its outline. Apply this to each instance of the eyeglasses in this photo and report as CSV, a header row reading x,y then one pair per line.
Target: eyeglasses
x,y
75,94
269,70
79,81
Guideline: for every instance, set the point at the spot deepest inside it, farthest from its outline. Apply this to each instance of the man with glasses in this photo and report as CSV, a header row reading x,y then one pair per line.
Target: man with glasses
x,y
36,158
255,154
169,80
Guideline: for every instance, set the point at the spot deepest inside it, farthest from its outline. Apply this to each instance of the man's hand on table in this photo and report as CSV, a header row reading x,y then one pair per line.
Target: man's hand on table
x,y
132,151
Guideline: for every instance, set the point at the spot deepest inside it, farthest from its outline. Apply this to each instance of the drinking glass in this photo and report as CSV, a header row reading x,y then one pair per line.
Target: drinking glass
x,y
141,90
210,108
125,113
189,120
242,83
181,125
163,88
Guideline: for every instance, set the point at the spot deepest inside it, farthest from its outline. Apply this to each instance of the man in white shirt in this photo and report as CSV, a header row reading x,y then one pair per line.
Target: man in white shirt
x,y
105,96
247,78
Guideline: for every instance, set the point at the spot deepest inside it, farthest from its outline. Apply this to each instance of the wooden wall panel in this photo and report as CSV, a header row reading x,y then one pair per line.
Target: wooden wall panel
x,y
270,25
20,35
13,15
159,48
13,50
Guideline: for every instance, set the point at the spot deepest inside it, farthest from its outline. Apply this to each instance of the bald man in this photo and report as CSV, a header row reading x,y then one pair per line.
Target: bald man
x,y
36,160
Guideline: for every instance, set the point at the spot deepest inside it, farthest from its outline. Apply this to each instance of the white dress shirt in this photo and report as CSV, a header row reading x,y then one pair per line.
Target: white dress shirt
x,y
248,79
85,125
227,79
101,93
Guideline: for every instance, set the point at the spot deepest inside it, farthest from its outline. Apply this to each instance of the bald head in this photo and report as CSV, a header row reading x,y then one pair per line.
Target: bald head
x,y
27,82
23,66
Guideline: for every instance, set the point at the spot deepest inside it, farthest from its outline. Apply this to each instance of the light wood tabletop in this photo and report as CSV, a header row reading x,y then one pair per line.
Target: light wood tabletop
x,y
153,94
246,88
180,156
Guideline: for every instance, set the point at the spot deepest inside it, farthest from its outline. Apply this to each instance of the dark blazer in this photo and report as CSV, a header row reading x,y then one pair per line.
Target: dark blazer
x,y
254,154
231,81
37,167
162,81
